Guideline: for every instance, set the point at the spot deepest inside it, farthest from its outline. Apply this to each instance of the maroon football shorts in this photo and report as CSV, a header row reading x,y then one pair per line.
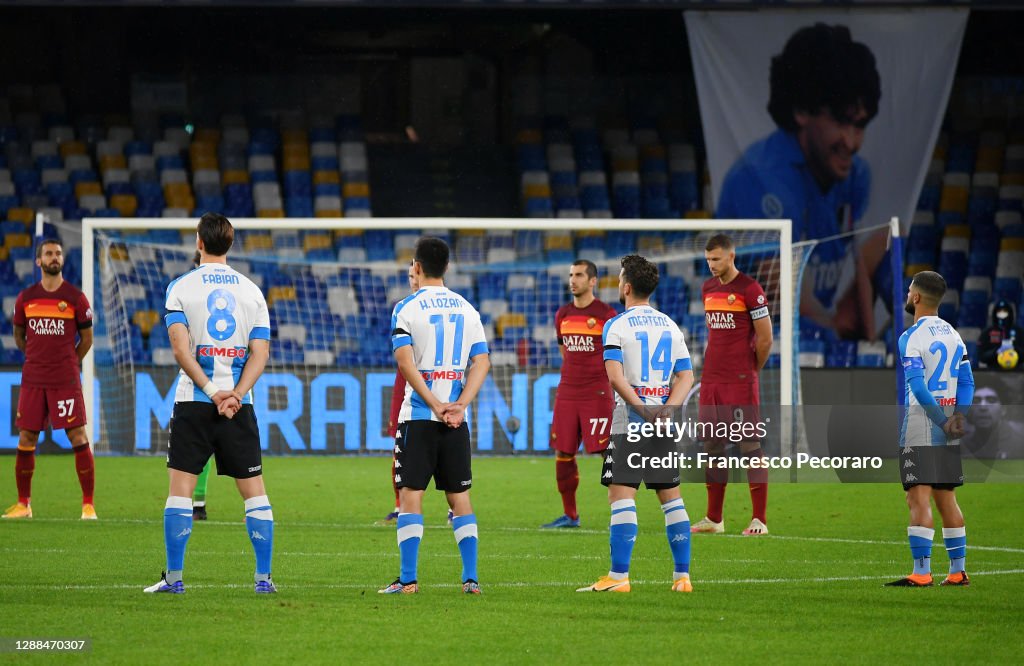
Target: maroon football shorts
x,y
588,421
62,407
729,406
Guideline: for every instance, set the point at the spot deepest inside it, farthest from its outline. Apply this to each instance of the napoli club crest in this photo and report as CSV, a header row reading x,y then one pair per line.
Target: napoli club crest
x,y
62,306
731,299
591,323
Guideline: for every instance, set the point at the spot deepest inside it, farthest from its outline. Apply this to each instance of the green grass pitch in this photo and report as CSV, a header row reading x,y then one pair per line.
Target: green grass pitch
x,y
810,592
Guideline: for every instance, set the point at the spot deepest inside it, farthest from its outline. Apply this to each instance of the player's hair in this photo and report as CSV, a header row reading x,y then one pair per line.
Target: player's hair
x,y
642,275
46,241
591,267
216,233
821,68
432,255
931,285
719,242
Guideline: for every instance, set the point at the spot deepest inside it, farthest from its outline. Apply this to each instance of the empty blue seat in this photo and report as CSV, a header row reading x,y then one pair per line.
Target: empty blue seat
x,y
972,314
138,148
929,199
49,162
1008,288
169,162
538,207
325,163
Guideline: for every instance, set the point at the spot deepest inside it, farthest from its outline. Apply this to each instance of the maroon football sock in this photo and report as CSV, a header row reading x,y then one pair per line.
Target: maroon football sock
x,y
24,467
568,477
85,465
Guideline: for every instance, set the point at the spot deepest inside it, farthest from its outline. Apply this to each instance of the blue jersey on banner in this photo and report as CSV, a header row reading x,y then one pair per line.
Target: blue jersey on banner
x,y
771,180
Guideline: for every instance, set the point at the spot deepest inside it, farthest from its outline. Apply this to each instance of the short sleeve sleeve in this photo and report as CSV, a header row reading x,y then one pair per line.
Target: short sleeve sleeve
x,y
558,326
83,312
912,358
261,323
175,310
401,330
612,342
477,338
757,302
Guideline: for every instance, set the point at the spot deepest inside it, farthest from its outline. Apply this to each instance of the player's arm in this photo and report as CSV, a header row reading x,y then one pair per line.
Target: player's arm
x,y
964,386
19,324
914,372
479,366
762,340
84,342
480,363
255,362
181,345
683,382
617,378
407,366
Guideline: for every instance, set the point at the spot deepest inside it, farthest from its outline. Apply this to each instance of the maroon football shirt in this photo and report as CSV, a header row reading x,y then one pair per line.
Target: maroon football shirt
x,y
51,320
730,311
579,334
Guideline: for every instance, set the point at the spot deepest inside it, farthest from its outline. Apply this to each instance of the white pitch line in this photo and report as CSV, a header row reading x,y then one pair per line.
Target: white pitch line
x,y
513,584
485,556
505,528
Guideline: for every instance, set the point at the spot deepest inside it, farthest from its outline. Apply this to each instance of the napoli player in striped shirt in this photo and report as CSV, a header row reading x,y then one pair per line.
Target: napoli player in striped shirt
x,y
441,351
219,327
645,355
939,391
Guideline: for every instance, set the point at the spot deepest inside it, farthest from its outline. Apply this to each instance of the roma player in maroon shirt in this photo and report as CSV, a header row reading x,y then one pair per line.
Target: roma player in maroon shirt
x,y
584,401
739,342
48,316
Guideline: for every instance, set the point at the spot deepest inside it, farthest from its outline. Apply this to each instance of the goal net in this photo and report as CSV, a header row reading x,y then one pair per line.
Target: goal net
x,y
331,286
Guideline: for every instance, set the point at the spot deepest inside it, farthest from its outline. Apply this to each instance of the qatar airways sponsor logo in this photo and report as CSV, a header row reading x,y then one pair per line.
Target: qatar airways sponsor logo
x,y
441,375
720,319
579,343
46,326
207,351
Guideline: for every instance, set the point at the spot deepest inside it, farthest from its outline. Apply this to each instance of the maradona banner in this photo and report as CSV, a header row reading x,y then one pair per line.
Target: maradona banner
x,y
829,119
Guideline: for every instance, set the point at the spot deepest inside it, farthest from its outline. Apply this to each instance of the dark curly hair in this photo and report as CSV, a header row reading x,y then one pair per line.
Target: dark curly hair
x,y
641,274
820,69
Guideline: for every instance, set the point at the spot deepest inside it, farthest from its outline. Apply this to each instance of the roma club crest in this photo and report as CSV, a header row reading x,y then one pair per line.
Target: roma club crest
x,y
591,322
731,299
62,306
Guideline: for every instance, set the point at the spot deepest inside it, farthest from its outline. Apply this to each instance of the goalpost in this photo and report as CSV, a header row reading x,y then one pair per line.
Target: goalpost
x,y
330,305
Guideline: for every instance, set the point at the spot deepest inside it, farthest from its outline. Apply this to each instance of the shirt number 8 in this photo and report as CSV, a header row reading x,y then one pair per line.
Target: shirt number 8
x,y
221,306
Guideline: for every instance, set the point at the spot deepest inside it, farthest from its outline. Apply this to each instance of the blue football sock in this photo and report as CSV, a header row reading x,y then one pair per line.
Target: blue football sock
x,y
466,536
177,529
410,532
259,523
956,545
622,537
677,528
921,548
